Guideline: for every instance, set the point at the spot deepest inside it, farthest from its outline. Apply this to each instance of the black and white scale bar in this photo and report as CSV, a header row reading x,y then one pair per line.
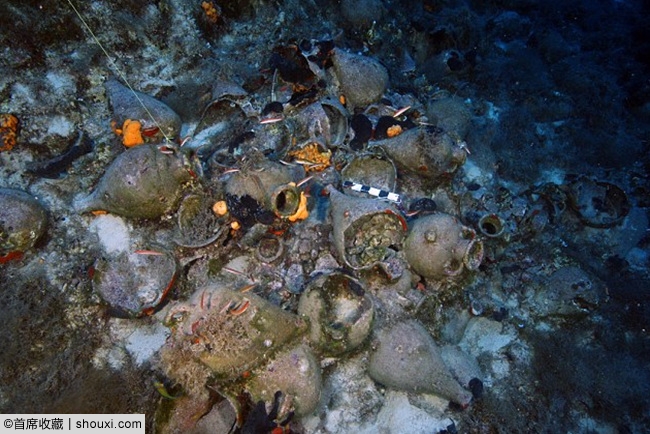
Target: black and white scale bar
x,y
381,194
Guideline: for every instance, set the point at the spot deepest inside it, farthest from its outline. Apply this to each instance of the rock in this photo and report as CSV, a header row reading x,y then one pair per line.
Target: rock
x,y
399,412
113,233
483,335
569,291
362,13
408,359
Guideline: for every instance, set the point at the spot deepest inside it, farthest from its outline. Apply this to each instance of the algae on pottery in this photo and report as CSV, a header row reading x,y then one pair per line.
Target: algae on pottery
x,y
228,332
23,220
340,311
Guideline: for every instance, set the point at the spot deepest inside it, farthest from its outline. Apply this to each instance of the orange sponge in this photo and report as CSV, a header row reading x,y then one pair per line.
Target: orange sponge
x,y
131,132
301,212
8,131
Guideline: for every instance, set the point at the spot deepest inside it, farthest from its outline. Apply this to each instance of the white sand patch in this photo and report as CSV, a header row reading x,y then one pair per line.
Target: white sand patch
x,y
113,233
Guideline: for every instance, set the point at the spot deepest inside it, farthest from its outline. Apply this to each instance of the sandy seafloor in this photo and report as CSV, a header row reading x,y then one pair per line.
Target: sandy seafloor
x,y
543,93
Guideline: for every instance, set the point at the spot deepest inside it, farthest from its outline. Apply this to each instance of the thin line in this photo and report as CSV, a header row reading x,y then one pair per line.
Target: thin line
x,y
117,69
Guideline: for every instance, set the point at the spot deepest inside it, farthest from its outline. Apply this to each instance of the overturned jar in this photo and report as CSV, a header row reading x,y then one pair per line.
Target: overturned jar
x,y
366,231
272,186
325,121
440,246
142,182
135,284
363,80
426,151
228,332
127,104
232,342
407,358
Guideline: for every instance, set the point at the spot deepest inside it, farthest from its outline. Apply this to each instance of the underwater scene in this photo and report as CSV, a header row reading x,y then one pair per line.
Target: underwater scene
x,y
327,217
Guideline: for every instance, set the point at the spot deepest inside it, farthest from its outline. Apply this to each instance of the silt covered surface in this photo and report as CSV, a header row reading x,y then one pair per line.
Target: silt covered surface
x,y
548,102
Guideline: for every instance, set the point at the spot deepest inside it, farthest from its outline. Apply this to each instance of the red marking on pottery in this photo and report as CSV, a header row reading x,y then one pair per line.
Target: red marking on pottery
x,y
277,232
233,271
149,252
226,306
248,288
169,287
147,311
401,111
185,140
150,132
271,120
241,308
91,271
15,255
194,326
